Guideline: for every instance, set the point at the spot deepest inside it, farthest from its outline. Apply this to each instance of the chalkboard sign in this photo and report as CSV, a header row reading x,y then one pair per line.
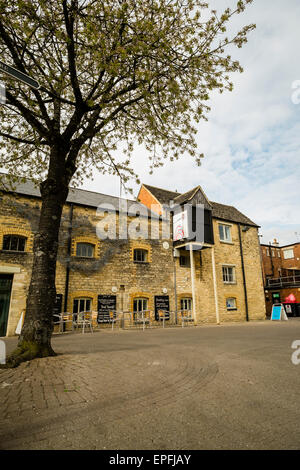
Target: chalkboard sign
x,y
161,303
106,304
57,309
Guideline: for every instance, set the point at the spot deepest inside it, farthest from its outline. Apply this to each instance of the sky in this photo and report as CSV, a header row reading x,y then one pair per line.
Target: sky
x,y
251,140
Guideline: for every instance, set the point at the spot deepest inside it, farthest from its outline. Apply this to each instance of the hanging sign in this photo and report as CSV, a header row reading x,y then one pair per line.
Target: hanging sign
x,y
180,225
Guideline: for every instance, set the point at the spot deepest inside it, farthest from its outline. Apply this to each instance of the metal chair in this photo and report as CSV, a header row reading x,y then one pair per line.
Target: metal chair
x,y
62,319
186,316
83,320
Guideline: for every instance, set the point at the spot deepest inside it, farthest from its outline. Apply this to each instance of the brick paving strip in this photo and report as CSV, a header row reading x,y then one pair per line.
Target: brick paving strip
x,y
107,384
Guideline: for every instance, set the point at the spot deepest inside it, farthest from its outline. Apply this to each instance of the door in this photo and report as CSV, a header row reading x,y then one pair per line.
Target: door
x,y
275,298
5,291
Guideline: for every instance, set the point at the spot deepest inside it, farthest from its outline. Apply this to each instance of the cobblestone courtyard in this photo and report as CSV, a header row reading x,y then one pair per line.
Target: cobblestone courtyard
x,y
232,386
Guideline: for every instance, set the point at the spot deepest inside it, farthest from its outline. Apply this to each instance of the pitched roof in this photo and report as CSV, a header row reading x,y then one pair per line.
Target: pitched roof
x,y
219,211
162,195
79,196
230,213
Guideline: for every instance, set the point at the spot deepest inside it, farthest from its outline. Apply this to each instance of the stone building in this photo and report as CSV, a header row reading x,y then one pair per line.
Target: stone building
x,y
281,272
120,255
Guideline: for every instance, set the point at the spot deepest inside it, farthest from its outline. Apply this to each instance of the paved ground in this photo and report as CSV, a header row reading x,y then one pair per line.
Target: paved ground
x,y
209,387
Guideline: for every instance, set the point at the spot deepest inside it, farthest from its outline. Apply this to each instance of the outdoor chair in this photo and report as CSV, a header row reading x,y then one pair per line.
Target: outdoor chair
x,y
84,320
62,319
186,317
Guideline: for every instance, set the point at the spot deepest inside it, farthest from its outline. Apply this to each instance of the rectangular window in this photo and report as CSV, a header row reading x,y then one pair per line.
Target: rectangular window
x,y
85,250
225,233
186,304
228,274
184,261
231,303
140,256
268,251
81,305
13,243
140,305
278,253
288,254
273,253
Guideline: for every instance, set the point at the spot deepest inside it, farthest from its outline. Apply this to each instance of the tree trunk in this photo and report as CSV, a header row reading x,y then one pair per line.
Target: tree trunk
x,y
35,338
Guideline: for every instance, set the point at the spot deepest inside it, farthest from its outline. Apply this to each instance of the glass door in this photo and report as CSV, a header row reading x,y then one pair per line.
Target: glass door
x,y
5,291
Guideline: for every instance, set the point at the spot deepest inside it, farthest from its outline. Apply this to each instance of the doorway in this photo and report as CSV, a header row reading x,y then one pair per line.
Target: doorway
x,y
5,293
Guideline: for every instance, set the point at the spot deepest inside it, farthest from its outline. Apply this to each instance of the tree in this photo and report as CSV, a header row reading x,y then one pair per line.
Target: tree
x,y
133,71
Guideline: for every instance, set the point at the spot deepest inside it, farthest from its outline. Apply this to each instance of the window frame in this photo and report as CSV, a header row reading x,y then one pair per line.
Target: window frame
x,y
79,299
235,304
86,244
288,250
189,300
226,276
140,299
226,239
144,251
18,237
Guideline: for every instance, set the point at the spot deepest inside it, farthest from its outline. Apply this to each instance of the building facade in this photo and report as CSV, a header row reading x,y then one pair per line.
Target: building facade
x,y
120,255
281,272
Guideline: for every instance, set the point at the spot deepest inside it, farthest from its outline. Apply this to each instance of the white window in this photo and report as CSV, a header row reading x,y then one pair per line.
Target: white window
x,y
231,303
288,254
268,251
140,305
228,274
82,305
278,253
86,250
186,303
273,253
225,233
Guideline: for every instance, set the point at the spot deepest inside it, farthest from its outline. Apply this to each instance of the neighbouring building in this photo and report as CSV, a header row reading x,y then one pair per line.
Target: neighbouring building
x,y
216,282
281,272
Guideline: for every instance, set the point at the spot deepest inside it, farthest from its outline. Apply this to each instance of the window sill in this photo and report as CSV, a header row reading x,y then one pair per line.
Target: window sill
x,y
230,283
84,257
231,309
13,252
227,242
141,262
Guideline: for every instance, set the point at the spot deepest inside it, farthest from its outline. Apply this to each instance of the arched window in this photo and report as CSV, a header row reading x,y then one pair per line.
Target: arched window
x,y
14,243
140,255
85,250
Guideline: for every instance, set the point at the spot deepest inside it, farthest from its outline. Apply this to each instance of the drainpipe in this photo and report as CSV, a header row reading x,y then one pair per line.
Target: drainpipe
x,y
244,276
175,287
271,259
193,282
68,259
215,284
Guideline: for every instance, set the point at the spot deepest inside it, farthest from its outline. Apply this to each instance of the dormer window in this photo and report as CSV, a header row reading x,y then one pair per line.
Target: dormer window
x,y
14,243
